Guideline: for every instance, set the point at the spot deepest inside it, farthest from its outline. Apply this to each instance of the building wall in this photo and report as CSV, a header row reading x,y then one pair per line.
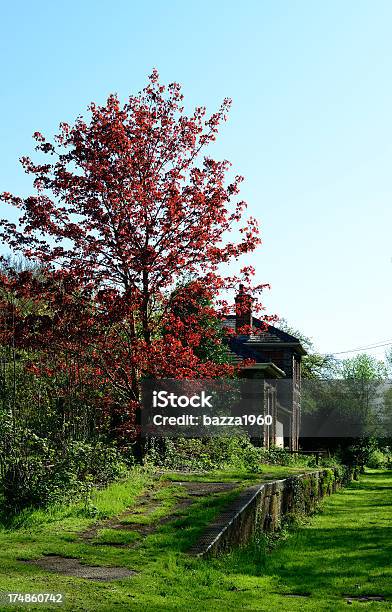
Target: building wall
x,y
288,361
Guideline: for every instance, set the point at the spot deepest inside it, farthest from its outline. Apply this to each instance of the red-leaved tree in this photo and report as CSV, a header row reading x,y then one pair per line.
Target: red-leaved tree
x,y
127,209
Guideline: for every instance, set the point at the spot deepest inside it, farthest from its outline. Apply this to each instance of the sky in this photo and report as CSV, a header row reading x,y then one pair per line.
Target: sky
x,y
310,127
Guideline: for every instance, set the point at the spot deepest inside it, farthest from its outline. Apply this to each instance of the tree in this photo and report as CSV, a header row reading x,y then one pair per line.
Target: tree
x,y
362,376
364,368
348,408
125,207
314,365
191,305
388,361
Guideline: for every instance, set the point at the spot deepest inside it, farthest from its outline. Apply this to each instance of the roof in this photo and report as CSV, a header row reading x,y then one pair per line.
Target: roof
x,y
272,337
269,368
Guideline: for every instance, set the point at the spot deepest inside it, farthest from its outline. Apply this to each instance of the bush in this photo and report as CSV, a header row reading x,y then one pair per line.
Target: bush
x,y
36,473
378,459
359,452
219,453
280,456
204,453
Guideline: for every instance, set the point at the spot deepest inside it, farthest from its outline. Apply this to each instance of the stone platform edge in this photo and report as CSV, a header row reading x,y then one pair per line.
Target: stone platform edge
x,y
263,507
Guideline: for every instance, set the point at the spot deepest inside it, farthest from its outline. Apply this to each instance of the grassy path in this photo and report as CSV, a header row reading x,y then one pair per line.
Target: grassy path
x,y
345,550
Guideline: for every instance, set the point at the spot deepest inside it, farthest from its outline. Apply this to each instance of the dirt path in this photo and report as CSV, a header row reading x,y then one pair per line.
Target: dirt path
x,y
145,507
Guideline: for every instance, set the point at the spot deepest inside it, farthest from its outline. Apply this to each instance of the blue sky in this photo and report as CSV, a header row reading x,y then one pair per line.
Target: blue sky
x,y
310,128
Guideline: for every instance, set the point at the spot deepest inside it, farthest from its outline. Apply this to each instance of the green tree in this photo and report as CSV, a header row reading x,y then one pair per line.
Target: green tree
x,y
363,368
192,305
363,376
314,365
388,361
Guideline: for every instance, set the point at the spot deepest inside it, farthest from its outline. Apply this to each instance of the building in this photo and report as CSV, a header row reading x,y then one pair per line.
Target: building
x,y
277,356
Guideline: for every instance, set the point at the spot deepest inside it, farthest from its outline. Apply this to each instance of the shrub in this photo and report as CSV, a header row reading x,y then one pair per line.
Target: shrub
x,y
220,452
36,473
281,456
359,452
378,459
205,453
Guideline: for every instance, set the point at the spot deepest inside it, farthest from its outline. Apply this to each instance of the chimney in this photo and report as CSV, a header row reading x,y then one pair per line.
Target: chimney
x,y
243,309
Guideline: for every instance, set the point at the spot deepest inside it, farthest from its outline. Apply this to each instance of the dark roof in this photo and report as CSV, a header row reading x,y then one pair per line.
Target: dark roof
x,y
244,346
272,336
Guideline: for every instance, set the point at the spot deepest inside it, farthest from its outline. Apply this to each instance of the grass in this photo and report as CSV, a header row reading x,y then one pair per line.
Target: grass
x,y
346,549
267,472
103,503
113,536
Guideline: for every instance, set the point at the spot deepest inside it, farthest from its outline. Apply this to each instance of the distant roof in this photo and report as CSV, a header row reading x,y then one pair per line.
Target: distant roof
x,y
272,337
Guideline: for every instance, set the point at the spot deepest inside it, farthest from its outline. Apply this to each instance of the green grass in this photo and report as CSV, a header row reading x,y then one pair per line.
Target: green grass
x,y
113,536
267,472
346,545
103,503
344,550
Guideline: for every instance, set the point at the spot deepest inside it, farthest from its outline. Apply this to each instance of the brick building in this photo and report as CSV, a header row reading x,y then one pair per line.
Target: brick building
x,y
277,357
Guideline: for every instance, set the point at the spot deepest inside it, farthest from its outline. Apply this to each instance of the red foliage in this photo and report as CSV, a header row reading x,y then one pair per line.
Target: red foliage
x,y
126,209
